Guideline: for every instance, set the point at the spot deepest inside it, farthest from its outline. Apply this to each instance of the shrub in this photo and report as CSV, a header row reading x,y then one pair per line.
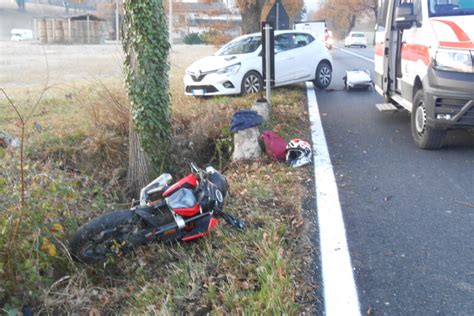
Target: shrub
x,y
215,38
192,39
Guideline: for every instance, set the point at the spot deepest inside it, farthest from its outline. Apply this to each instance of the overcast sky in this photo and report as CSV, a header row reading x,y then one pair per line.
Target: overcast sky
x,y
312,5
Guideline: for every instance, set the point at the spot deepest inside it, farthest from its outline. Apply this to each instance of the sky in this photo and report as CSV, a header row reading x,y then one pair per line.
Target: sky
x,y
312,5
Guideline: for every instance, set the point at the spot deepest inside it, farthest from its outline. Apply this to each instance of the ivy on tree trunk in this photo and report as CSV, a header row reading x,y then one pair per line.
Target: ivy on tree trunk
x,y
146,48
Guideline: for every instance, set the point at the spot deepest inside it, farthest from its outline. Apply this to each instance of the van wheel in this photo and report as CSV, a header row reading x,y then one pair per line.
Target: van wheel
x,y
323,75
252,83
424,136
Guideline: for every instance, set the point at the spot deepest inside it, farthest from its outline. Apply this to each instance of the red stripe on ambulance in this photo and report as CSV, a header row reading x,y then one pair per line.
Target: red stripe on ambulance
x,y
463,38
416,52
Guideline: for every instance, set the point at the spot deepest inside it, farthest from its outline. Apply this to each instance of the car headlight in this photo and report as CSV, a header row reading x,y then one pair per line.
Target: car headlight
x,y
453,60
229,69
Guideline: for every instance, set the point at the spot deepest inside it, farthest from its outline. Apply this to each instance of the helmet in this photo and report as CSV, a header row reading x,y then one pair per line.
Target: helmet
x,y
298,153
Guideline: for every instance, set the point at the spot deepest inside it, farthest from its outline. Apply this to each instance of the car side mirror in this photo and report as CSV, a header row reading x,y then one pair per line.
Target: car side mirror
x,y
404,16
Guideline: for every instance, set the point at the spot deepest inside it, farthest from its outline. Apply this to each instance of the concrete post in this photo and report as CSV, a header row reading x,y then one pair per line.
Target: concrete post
x,y
88,30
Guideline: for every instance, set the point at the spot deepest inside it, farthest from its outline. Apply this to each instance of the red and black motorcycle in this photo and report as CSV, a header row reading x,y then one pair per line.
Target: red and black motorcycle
x,y
186,210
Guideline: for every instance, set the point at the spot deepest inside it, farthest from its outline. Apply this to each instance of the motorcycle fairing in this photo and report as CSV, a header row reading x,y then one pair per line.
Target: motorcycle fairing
x,y
201,227
188,182
183,202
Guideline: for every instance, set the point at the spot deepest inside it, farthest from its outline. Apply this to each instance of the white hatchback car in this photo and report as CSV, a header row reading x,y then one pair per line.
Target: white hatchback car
x,y
236,68
356,39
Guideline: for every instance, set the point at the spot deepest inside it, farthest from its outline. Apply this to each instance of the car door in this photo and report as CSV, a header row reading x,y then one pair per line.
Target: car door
x,y
304,55
284,59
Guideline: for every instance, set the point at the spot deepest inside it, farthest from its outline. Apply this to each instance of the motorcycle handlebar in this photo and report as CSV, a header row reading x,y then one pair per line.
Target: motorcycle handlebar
x,y
231,220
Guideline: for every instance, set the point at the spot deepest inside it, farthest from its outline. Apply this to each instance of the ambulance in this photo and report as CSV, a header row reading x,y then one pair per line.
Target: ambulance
x,y
424,63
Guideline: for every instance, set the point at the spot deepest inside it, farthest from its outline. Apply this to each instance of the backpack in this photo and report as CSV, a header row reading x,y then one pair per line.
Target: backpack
x,y
274,145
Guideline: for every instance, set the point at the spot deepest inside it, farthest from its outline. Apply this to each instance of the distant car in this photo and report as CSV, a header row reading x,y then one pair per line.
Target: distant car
x,y
236,68
21,35
356,39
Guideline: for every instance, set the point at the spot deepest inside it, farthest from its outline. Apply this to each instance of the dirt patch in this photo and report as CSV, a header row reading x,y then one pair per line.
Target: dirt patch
x,y
27,64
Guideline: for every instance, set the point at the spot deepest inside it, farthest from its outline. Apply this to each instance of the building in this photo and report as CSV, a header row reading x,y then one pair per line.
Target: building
x,y
79,29
195,17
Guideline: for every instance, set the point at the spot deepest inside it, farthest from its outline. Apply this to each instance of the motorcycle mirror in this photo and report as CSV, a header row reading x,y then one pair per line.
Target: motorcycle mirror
x,y
194,167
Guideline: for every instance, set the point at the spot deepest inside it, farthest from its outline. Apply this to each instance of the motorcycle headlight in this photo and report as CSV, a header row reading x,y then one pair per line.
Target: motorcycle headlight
x,y
453,60
229,69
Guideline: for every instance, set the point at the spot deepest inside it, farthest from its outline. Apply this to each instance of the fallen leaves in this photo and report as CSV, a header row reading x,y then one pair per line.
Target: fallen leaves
x,y
49,247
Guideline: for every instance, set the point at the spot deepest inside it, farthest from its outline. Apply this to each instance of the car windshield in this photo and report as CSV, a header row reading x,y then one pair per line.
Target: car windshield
x,y
449,8
245,45
358,35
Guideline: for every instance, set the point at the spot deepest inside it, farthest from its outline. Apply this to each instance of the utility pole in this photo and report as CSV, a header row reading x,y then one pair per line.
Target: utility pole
x,y
268,77
117,30
170,22
277,26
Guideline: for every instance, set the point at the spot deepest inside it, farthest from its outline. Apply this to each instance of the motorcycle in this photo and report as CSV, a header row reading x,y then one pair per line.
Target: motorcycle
x,y
186,210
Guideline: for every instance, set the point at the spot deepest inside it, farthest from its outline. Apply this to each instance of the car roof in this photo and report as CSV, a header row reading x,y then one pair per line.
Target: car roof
x,y
276,33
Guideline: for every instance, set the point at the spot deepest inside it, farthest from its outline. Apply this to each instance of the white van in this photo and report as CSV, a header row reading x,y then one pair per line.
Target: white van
x,y
424,63
21,35
318,29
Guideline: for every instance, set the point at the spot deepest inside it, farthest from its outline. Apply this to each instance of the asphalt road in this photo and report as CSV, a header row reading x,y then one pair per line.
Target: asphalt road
x,y
409,213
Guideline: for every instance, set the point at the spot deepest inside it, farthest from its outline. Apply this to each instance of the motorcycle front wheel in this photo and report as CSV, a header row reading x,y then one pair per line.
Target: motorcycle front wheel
x,y
111,234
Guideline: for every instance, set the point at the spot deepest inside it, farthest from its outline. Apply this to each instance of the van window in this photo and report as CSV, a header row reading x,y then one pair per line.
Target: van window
x,y
450,8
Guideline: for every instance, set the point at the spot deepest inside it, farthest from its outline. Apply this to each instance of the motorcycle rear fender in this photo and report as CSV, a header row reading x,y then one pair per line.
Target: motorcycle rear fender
x,y
188,182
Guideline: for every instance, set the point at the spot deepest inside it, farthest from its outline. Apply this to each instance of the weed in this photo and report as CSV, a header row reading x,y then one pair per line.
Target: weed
x,y
75,168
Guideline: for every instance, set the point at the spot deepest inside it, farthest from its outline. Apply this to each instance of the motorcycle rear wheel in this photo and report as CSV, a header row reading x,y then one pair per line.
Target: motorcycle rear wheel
x,y
110,234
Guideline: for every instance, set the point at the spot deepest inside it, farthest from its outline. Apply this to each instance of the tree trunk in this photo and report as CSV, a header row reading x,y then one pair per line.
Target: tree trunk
x,y
251,17
145,43
139,168
138,174
352,22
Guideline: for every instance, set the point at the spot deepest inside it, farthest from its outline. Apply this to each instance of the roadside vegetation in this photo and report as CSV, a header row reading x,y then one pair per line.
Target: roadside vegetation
x,y
76,156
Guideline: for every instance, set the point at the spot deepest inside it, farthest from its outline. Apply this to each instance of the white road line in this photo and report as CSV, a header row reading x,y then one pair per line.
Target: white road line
x,y
357,55
340,293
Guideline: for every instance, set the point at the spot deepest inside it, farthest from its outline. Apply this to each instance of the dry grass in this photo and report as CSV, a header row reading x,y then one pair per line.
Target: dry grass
x,y
84,131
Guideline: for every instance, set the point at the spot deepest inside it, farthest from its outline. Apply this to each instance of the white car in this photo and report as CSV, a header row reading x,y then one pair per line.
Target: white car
x,y
356,39
236,68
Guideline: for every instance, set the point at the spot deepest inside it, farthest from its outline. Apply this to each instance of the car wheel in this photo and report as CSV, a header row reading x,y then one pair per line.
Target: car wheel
x,y
323,75
424,136
251,83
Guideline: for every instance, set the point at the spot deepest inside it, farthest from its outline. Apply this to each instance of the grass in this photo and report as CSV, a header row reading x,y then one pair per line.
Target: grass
x,y
76,166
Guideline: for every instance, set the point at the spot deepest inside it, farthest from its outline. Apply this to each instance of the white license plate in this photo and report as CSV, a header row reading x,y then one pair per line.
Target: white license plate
x,y
198,92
